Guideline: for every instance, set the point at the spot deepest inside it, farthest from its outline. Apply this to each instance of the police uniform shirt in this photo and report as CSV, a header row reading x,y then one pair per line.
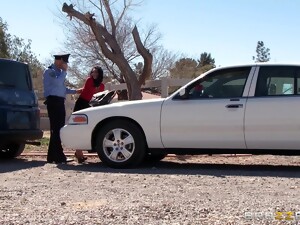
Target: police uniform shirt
x,y
54,82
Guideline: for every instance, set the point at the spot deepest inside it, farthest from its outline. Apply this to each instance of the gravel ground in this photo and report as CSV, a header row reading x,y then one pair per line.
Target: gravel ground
x,y
179,190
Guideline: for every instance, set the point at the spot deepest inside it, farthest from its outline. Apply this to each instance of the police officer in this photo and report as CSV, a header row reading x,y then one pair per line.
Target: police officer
x,y
55,93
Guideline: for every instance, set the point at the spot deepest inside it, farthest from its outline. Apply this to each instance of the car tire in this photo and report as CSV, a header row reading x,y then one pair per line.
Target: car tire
x,y
12,150
113,151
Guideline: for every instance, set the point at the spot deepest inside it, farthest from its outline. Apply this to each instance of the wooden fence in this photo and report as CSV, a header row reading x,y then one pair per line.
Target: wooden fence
x,y
164,83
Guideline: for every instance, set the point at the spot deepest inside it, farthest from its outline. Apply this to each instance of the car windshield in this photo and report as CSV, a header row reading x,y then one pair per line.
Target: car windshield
x,y
14,75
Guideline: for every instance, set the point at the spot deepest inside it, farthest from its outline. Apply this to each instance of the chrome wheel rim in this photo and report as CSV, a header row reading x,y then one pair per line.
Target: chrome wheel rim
x,y
118,145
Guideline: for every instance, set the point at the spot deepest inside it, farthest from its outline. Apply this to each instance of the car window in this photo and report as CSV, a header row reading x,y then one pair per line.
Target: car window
x,y
14,75
277,81
227,83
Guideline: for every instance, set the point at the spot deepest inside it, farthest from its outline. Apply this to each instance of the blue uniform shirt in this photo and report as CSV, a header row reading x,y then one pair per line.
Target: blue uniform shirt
x,y
54,82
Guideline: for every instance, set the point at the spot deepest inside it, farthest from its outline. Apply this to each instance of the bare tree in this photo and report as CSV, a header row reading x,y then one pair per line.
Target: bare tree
x,y
102,34
163,62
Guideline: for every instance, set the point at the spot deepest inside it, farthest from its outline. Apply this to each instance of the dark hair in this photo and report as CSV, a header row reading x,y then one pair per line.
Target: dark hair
x,y
99,79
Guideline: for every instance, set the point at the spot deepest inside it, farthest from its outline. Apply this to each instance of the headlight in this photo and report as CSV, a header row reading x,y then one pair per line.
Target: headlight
x,y
78,119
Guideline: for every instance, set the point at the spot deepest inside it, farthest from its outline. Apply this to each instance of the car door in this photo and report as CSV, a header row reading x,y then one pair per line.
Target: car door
x,y
210,114
272,118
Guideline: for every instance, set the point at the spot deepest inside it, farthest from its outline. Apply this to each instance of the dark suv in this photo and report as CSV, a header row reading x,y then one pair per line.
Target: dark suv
x,y
19,111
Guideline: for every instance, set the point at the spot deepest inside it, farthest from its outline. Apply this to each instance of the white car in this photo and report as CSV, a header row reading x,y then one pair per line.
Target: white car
x,y
253,109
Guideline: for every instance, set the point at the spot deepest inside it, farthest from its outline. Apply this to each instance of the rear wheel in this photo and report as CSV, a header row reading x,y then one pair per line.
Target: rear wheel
x,y
121,144
11,150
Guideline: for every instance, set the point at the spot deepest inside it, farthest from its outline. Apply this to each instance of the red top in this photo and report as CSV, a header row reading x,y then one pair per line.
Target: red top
x,y
199,87
89,89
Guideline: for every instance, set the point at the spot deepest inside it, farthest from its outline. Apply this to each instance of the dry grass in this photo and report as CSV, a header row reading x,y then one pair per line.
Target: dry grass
x,y
46,134
44,143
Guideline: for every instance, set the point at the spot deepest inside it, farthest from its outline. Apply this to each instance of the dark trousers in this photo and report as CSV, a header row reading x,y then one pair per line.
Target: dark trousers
x,y
81,104
57,114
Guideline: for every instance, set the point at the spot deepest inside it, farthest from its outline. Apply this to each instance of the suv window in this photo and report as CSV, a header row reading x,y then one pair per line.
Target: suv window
x,y
277,81
16,76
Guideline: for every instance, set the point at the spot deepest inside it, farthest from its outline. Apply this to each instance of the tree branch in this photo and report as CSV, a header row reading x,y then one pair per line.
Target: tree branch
x,y
72,12
123,13
147,56
111,17
101,34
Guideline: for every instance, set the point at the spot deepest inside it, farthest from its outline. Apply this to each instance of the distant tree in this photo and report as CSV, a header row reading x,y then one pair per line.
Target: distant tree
x,y
206,59
191,68
262,53
21,51
3,40
184,68
16,48
205,63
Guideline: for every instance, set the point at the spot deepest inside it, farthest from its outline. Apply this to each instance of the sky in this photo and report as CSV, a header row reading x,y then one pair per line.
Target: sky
x,y
227,29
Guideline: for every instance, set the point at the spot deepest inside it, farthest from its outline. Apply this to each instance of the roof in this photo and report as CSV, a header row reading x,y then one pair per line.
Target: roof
x,y
259,64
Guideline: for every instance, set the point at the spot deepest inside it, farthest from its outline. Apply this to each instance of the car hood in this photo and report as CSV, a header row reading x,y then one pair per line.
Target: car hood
x,y
131,109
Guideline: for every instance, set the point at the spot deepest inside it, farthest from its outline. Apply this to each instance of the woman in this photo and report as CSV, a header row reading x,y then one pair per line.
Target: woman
x,y
93,84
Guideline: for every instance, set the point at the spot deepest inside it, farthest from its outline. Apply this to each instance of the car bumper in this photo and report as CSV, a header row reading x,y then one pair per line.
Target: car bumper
x,y
76,137
20,135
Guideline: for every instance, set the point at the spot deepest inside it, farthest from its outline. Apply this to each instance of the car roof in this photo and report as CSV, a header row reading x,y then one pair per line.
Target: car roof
x,y
260,64
251,65
11,60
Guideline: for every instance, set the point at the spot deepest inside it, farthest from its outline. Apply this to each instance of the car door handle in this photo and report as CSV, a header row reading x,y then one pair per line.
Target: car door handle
x,y
234,106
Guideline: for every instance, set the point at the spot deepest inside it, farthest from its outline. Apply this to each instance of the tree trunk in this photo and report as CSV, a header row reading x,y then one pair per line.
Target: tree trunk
x,y
133,86
122,94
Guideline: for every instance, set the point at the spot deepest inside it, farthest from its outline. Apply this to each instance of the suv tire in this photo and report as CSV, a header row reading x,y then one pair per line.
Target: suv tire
x,y
12,151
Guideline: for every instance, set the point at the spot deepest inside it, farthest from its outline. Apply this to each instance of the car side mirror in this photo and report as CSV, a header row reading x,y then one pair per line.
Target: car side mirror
x,y
183,93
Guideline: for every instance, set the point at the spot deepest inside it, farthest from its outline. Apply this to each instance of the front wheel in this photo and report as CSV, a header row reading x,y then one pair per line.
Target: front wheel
x,y
121,144
11,150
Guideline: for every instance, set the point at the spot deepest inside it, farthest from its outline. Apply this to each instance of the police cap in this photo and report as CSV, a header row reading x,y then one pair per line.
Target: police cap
x,y
64,57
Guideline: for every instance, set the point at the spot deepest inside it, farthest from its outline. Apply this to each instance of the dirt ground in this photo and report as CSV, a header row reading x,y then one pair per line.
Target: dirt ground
x,y
188,190
221,189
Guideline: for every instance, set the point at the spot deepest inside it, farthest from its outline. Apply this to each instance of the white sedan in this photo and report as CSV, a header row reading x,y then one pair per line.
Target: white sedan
x,y
250,109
